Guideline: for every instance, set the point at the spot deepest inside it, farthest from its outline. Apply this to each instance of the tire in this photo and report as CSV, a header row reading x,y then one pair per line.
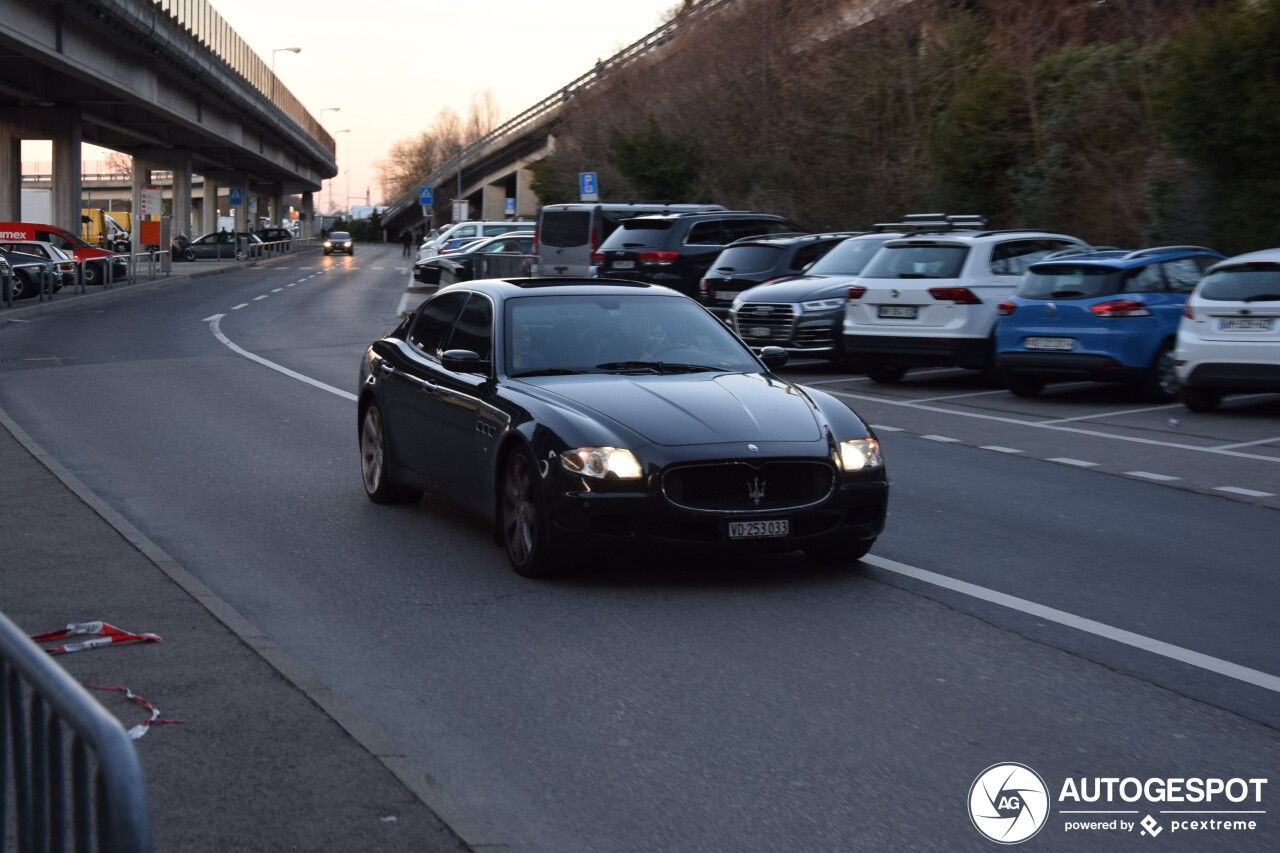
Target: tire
x,y
840,551
92,274
21,289
242,255
1160,384
1024,384
1201,399
189,254
884,373
375,467
522,517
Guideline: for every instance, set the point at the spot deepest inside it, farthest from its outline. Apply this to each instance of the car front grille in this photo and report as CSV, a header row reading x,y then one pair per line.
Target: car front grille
x,y
777,317
747,487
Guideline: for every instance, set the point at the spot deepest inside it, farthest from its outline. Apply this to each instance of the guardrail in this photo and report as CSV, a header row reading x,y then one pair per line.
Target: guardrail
x,y
67,768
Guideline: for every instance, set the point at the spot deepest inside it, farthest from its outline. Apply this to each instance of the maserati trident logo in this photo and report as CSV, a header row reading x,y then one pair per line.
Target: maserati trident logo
x,y
755,491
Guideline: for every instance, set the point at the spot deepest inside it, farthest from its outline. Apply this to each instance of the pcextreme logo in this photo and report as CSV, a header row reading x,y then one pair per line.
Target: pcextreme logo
x,y
1009,803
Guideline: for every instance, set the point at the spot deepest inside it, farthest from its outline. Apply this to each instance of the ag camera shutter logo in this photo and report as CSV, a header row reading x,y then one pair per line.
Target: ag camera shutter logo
x,y
1008,803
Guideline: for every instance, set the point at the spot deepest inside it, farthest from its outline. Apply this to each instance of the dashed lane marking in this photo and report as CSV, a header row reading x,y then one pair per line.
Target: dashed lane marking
x,y
1079,463
943,438
1255,677
1147,475
1235,490
241,305
258,298
998,449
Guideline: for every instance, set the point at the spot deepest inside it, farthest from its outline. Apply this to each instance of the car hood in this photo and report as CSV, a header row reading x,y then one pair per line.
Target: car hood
x,y
695,409
800,289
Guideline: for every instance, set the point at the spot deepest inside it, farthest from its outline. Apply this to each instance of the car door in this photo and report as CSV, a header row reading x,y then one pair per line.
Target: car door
x,y
463,420
410,382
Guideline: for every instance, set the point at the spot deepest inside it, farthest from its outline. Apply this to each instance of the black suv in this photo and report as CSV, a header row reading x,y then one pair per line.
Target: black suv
x,y
676,249
756,260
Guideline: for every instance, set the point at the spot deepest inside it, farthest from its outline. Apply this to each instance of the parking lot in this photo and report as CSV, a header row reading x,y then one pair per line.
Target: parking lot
x,y
1233,453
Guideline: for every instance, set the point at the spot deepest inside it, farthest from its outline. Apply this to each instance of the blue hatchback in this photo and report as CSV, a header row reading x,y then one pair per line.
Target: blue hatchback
x,y
1105,315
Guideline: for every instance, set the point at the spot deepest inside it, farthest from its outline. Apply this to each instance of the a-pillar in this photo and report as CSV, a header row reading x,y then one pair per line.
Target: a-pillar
x,y
11,173
308,215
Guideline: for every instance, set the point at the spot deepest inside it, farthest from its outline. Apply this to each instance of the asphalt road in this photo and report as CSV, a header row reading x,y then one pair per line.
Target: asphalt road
x,y
762,706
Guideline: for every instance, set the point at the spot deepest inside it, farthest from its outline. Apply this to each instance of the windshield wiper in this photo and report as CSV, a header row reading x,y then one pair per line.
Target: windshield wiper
x,y
648,366
658,367
547,371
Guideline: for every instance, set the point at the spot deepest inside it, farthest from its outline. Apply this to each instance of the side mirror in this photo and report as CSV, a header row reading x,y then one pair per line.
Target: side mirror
x,y
464,361
774,357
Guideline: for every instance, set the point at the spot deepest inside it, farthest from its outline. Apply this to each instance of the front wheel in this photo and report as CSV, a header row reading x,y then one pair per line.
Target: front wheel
x,y
524,527
92,274
189,254
375,462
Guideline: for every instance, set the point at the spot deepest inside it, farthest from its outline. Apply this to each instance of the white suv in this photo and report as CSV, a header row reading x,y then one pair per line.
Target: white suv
x,y
1229,337
929,298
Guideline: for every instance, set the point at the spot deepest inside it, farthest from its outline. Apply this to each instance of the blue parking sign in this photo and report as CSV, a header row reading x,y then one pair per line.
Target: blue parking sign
x,y
236,196
424,195
587,186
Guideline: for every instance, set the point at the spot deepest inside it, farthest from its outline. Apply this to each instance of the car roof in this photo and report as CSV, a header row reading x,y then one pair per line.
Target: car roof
x,y
505,288
1124,259
786,240
704,214
1260,256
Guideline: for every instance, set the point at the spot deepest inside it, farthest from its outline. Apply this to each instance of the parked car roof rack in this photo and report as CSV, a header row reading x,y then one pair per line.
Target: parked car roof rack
x,y
1155,250
932,223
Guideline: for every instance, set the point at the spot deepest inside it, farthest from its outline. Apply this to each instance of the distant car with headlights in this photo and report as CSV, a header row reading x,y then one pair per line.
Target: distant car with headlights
x,y
339,241
589,416
1229,335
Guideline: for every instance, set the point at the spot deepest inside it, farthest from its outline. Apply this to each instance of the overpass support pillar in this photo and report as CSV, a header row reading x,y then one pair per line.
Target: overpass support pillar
x,y
181,166
493,201
11,173
308,215
526,198
67,169
209,207
277,213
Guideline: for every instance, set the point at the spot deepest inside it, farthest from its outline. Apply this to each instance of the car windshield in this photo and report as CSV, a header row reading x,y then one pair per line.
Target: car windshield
x,y
1070,282
642,233
339,235
748,259
1259,282
617,333
848,257
924,261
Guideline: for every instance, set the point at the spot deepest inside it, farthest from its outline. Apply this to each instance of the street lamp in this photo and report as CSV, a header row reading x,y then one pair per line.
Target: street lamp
x,y
273,66
457,151
335,148
328,110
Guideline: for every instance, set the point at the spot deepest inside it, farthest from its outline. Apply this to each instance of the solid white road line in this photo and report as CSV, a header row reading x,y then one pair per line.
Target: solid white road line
x,y
1089,626
214,323
1108,414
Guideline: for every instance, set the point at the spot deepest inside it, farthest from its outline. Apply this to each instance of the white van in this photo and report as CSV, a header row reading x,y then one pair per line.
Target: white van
x,y
567,234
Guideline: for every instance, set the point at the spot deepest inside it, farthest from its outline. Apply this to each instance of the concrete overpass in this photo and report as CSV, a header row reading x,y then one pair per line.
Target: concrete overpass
x,y
167,82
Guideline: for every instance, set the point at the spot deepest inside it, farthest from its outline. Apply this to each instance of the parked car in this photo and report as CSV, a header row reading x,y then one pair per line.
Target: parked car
x,y
1229,337
96,261
804,314
929,297
472,230
461,265
282,236
751,261
63,262
610,416
568,234
28,273
1108,316
676,249
224,245
339,241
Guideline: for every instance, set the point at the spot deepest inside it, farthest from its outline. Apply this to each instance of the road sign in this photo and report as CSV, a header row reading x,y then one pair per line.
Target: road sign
x,y
237,195
424,196
587,187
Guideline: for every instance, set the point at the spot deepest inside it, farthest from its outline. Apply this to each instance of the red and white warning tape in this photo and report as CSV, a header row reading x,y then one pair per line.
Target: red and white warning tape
x,y
104,635
153,713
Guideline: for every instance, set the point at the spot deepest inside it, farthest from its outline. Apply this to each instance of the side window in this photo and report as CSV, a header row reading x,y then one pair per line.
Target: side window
x,y
1014,256
808,254
1183,274
706,233
434,321
1144,279
474,330
735,229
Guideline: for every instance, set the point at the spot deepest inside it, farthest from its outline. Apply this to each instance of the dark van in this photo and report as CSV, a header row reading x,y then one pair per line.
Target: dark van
x,y
567,234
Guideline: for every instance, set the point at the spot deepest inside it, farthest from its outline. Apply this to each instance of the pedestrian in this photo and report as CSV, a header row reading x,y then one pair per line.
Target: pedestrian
x,y
406,240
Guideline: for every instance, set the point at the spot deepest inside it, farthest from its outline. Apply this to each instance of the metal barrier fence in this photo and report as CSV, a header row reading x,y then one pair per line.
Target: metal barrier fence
x,y
69,772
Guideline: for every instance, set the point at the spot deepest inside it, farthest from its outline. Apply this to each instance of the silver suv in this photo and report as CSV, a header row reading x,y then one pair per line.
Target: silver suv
x,y
929,298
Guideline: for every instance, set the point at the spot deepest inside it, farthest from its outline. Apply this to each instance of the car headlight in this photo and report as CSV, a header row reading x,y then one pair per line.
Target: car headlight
x,y
860,454
328,245
815,305
600,462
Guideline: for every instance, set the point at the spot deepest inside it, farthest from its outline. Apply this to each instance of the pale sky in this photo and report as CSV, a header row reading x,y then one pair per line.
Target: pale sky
x,y
391,65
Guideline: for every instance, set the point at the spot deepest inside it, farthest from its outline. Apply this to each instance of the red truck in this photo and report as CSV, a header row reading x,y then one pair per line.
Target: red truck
x,y
94,260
